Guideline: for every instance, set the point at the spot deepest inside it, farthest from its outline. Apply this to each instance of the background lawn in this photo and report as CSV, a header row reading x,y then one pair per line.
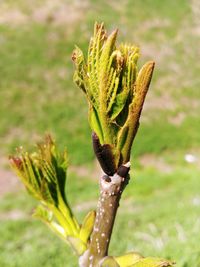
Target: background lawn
x,y
160,211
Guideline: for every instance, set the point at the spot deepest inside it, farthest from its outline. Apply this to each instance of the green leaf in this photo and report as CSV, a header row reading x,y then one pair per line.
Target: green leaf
x,y
44,175
122,136
128,259
79,81
108,262
153,262
87,226
119,104
114,88
142,83
77,244
42,213
108,48
80,73
93,64
95,123
43,172
46,216
135,108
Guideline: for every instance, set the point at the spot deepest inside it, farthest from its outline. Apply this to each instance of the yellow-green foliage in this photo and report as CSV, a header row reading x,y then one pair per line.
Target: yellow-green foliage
x,y
133,259
114,89
44,175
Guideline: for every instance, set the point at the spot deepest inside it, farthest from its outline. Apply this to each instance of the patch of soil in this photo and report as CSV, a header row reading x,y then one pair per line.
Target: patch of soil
x,y
150,160
13,215
163,102
8,182
178,119
83,171
49,11
195,7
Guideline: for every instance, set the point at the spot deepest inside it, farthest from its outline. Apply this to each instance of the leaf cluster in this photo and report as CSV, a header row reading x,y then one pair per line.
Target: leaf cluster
x,y
44,175
114,88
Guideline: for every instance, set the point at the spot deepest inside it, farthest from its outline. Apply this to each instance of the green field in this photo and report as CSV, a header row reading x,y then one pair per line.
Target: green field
x,y
160,210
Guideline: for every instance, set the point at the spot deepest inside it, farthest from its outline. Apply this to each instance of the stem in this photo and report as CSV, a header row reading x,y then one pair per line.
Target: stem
x,y
111,190
106,213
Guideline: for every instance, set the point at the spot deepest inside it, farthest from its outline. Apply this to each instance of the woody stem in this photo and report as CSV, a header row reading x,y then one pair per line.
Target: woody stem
x,y
108,204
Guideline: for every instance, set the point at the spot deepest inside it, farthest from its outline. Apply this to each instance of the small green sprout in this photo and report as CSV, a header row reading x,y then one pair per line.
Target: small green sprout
x,y
114,88
115,91
44,175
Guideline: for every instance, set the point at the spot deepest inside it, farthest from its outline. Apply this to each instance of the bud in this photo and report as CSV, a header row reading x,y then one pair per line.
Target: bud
x,y
115,92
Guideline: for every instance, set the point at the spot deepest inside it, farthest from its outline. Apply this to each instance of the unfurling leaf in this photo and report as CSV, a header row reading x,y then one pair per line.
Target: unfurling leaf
x,y
108,262
43,172
128,259
94,120
43,214
87,226
77,244
119,104
114,89
46,216
135,108
152,262
44,175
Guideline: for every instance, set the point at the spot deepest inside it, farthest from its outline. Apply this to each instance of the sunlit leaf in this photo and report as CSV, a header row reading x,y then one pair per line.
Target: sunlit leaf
x,y
77,244
108,262
114,88
87,226
152,262
128,259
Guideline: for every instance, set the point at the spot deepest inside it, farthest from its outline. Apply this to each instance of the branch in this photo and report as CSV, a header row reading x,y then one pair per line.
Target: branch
x,y
111,189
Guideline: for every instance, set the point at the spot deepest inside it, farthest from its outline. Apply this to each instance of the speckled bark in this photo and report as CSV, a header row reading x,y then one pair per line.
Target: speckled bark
x,y
103,225
110,194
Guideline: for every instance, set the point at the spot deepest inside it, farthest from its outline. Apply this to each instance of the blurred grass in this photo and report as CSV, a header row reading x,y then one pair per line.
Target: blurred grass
x,y
158,216
37,95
